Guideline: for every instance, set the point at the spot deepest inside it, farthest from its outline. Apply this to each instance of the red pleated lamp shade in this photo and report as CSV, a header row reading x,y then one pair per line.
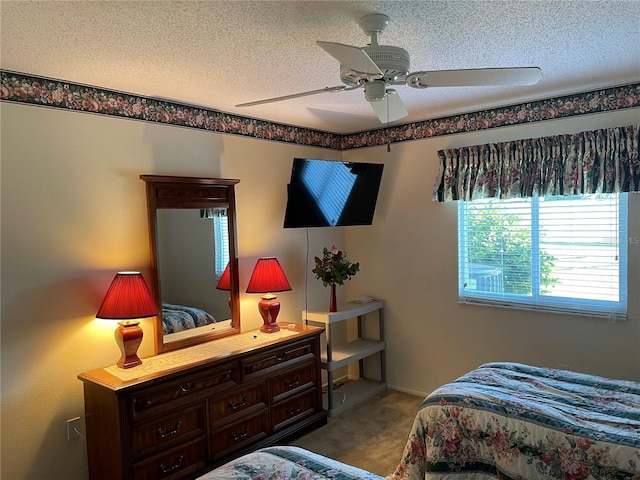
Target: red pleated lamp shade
x,y
128,297
225,280
268,277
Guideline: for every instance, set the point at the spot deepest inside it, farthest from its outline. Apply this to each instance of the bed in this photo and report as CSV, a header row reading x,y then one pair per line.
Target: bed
x,y
176,318
512,421
287,463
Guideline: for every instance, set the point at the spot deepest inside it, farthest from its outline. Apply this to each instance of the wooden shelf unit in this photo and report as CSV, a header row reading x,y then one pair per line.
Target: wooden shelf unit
x,y
336,356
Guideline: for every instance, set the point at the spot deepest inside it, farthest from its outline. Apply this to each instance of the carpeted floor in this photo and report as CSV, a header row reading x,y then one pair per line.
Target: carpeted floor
x,y
370,435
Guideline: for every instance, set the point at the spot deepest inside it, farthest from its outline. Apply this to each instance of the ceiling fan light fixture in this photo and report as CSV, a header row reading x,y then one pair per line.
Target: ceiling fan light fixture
x,y
375,91
391,108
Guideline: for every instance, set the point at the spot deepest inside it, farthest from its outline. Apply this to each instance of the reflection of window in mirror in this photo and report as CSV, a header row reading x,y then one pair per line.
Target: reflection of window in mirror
x,y
221,237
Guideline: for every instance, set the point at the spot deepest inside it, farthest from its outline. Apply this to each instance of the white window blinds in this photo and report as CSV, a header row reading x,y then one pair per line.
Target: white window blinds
x,y
220,236
565,254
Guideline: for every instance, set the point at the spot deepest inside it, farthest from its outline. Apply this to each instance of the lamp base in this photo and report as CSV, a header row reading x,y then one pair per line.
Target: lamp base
x,y
129,337
269,308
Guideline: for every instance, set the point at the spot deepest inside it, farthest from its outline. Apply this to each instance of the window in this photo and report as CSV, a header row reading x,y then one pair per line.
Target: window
x,y
564,254
220,237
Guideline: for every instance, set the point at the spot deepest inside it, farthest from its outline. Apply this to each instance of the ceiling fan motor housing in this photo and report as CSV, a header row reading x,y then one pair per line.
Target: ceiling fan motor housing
x,y
393,62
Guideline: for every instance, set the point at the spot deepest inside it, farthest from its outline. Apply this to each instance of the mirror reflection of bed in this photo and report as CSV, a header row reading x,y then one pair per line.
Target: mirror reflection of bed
x,y
180,321
192,255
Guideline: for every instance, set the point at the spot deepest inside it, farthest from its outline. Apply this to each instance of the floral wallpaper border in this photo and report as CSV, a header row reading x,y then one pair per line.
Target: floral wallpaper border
x,y
30,89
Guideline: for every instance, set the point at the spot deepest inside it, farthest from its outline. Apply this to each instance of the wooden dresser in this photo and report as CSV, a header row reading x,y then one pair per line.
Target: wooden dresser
x,y
182,413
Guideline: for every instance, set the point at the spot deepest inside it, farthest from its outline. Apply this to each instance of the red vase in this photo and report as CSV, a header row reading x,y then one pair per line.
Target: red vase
x,y
333,305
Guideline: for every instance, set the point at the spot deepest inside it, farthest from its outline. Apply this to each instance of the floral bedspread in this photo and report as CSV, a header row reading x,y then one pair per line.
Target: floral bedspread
x,y
176,318
517,422
287,463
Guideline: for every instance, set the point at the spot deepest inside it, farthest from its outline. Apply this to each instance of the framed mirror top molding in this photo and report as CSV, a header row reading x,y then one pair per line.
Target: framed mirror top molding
x,y
194,263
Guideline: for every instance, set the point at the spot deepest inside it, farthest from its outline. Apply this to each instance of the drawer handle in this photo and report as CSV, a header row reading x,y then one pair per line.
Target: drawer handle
x,y
162,434
291,411
292,383
239,436
177,465
235,406
186,387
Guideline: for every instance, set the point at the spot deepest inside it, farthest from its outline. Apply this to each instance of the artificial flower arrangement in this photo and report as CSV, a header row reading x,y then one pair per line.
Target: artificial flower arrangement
x,y
334,267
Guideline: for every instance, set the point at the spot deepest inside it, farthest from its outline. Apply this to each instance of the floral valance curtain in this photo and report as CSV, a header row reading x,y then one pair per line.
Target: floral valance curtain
x,y
598,161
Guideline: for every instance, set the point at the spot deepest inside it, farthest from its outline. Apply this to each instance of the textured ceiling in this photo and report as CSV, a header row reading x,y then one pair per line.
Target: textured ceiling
x,y
217,54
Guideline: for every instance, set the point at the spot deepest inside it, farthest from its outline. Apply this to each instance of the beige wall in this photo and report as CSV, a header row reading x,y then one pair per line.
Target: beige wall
x,y
410,259
73,214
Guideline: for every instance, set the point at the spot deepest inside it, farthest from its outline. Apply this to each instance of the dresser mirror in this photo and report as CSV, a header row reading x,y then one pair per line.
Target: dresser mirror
x,y
194,277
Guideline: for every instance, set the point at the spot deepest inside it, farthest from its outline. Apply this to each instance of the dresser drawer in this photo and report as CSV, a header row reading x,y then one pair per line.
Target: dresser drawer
x,y
292,381
239,434
292,410
168,430
262,363
183,460
186,389
227,407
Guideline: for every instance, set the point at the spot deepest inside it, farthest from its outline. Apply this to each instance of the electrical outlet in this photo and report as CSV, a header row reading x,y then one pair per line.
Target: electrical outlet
x,y
563,366
73,426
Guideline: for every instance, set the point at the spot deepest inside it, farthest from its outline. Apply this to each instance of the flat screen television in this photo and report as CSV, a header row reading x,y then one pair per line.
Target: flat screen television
x,y
326,193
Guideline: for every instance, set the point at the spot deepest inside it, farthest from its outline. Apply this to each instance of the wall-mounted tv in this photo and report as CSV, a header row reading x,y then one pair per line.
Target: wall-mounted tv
x,y
326,193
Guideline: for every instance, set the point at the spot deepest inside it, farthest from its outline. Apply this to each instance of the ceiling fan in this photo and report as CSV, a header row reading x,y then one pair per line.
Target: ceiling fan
x,y
378,67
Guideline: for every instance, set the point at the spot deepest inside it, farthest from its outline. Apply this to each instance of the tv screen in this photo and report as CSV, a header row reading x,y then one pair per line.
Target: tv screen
x,y
325,193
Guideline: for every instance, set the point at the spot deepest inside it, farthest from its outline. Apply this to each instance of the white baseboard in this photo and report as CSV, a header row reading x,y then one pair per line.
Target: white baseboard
x,y
406,390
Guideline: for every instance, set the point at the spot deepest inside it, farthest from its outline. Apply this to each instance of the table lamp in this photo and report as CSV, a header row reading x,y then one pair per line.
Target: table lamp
x,y
268,277
127,300
225,280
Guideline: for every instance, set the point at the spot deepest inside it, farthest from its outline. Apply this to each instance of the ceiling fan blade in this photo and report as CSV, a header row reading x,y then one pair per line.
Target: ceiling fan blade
x,y
351,57
390,108
475,77
294,95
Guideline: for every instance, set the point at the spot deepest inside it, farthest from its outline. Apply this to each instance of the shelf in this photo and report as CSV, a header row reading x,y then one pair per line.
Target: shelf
x,y
347,353
351,393
345,311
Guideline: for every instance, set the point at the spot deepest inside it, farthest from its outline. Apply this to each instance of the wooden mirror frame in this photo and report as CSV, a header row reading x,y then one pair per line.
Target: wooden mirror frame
x,y
169,192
